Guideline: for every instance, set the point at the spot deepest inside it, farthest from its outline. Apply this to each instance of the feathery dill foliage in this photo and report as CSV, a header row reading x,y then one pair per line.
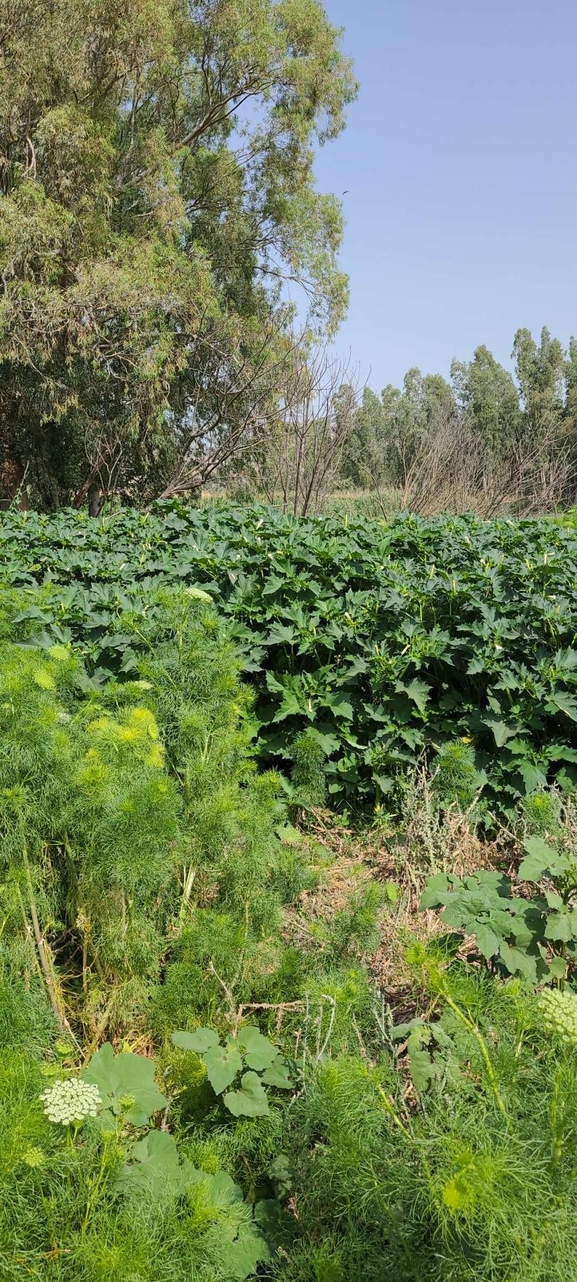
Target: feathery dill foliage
x,y
127,807
475,1182
144,867
134,828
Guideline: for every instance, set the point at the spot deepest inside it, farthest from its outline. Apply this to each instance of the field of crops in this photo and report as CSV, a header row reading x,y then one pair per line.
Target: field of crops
x,y
451,637
288,899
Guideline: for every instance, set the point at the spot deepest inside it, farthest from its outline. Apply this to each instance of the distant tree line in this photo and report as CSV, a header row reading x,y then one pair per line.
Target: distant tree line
x,y
483,439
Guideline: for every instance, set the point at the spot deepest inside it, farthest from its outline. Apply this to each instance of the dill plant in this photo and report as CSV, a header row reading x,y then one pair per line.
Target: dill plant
x,y
145,865
130,808
473,1180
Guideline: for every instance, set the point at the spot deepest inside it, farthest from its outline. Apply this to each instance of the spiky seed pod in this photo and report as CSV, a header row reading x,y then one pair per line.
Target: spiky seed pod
x,y
559,1012
71,1101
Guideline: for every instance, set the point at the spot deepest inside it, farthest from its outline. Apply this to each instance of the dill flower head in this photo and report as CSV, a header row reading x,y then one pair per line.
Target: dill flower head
x,y
559,1013
71,1101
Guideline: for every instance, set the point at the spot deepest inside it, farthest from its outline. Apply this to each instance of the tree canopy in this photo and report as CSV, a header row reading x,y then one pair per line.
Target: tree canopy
x,y
157,192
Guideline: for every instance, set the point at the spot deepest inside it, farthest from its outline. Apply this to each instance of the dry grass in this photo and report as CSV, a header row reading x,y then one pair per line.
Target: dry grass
x,y
400,858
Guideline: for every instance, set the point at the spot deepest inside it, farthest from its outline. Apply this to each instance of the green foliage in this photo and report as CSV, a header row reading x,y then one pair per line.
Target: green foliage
x,y
94,1203
308,772
542,812
466,1184
457,779
146,862
248,1050
126,1084
387,641
535,936
354,929
131,216
118,801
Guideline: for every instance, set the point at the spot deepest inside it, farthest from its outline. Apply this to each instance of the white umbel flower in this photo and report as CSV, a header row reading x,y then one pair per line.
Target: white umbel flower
x,y
559,1012
71,1101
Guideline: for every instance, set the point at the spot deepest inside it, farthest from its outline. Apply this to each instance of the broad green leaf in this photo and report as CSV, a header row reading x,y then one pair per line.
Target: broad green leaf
x,y
487,941
539,859
222,1065
418,691
557,968
339,705
245,1253
281,633
421,1069
218,1190
533,776
566,703
125,1077
501,731
559,927
435,887
278,1075
292,705
259,1052
155,1171
518,961
250,1100
200,1040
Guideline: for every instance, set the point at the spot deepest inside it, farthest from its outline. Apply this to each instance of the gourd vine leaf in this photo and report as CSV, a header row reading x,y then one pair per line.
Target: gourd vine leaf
x,y
218,1190
222,1065
125,1077
245,1253
200,1041
560,927
541,858
501,731
155,1170
250,1100
258,1051
278,1075
488,942
516,959
418,691
565,703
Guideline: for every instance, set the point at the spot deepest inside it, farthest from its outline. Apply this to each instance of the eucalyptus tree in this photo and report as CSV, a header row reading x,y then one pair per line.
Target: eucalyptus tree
x,y
157,193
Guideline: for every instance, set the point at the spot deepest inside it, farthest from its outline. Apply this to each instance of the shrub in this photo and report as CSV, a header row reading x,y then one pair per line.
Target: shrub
x,y
466,1185
389,641
125,806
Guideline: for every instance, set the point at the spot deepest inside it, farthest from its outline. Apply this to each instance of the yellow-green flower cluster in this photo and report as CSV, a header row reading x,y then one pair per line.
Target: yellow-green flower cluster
x,y
71,1101
559,1013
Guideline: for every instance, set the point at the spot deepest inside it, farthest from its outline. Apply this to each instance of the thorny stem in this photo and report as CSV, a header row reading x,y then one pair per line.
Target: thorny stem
x,y
321,1049
187,889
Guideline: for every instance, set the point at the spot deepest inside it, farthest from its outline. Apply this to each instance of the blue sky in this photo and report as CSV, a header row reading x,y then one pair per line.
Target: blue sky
x,y
459,160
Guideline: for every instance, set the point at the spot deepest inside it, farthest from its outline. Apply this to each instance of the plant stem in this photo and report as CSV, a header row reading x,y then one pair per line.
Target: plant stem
x,y
47,970
475,1030
96,1186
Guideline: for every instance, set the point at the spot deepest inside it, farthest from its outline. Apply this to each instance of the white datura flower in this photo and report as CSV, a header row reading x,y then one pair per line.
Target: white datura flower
x,y
71,1101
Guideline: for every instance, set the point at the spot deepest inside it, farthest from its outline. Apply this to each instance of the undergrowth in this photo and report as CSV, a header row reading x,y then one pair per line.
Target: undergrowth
x,y
230,1043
